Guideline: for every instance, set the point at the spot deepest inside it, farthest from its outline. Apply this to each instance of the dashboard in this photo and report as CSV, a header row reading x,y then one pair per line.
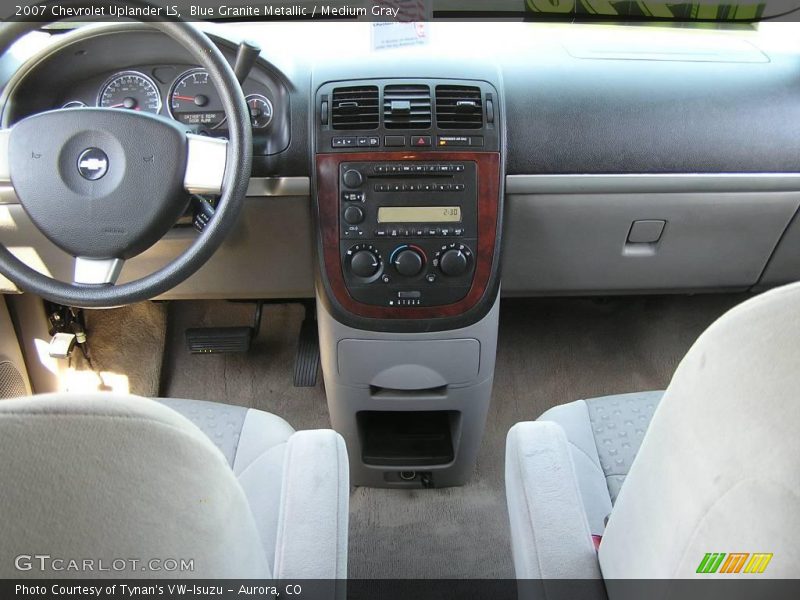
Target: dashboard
x,y
626,161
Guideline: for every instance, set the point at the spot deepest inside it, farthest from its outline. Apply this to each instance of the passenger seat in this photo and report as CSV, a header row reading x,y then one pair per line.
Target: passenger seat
x,y
716,471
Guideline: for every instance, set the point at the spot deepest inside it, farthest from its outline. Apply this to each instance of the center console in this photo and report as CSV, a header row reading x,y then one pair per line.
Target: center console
x,y
408,188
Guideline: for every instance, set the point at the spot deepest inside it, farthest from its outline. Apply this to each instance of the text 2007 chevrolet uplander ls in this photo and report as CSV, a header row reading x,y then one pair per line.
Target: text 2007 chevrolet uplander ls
x,y
546,269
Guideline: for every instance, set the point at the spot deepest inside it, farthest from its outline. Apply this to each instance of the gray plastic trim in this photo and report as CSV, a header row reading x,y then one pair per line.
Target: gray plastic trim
x,y
260,187
279,186
205,164
652,182
433,359
93,271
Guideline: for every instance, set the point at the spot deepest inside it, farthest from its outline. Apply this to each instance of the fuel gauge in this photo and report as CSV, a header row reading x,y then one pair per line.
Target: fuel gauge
x,y
260,110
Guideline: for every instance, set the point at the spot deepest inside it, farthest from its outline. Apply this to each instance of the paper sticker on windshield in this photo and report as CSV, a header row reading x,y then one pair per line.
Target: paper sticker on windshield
x,y
408,28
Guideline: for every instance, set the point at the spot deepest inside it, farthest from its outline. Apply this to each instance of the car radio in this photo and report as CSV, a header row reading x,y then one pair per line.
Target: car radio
x,y
408,230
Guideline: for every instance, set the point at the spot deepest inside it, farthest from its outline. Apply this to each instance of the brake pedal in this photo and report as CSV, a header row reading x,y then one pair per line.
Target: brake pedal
x,y
215,340
306,362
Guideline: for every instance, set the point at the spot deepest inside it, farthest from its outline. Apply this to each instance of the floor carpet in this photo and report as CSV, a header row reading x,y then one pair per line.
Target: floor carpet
x,y
551,351
126,350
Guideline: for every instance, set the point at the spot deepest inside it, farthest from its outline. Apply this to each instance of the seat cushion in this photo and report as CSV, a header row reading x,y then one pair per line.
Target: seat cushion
x,y
604,435
254,444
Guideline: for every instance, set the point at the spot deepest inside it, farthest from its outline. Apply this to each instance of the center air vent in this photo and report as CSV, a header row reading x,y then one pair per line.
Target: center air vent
x,y
407,107
355,107
458,107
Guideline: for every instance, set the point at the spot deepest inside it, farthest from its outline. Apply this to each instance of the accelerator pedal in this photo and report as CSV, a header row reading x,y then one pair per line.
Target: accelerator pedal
x,y
215,340
306,362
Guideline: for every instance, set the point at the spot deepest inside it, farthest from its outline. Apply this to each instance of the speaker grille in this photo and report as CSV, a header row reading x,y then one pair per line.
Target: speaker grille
x,y
11,383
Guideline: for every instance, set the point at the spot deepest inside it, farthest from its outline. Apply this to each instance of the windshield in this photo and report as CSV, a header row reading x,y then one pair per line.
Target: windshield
x,y
698,11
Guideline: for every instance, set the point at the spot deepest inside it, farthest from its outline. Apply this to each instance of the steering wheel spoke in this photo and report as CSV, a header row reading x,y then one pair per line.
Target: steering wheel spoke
x,y
205,164
5,171
97,271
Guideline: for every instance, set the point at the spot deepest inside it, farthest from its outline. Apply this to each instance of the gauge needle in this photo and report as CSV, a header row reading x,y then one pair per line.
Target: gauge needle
x,y
187,98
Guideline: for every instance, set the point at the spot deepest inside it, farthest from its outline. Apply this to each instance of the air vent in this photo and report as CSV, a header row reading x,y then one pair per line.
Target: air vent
x,y
355,107
407,107
458,107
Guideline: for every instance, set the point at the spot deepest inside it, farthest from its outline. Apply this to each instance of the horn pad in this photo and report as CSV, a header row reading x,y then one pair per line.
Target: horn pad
x,y
98,182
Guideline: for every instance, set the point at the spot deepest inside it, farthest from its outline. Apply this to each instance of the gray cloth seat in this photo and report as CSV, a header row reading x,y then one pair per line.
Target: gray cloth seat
x,y
604,435
235,490
709,467
254,444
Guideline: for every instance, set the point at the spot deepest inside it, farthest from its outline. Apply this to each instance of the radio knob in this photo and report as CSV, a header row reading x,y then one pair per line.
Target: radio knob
x,y
352,178
364,263
408,262
454,263
353,215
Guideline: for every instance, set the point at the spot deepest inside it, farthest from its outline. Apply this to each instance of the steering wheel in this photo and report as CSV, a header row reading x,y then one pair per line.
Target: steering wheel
x,y
105,184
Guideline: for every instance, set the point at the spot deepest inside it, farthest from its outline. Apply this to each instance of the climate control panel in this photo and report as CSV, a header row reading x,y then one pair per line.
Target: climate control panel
x,y
407,231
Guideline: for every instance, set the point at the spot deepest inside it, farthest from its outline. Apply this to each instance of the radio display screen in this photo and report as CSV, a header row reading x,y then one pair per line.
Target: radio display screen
x,y
419,214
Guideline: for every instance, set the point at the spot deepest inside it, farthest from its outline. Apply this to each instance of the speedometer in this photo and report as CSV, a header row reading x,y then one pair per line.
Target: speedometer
x,y
130,90
193,100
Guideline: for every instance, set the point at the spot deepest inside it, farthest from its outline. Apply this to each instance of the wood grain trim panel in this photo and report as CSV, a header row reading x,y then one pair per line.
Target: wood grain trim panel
x,y
488,172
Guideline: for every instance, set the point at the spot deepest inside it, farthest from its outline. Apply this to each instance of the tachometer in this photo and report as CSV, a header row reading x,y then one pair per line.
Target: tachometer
x,y
194,101
130,90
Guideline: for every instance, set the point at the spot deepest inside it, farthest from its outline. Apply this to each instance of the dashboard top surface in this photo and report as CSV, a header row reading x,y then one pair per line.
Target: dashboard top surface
x,y
576,98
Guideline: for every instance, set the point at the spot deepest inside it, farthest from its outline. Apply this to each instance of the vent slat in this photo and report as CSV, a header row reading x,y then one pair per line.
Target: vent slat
x,y
448,113
356,107
419,114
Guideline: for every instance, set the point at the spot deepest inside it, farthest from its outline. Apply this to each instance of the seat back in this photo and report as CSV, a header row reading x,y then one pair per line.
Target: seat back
x,y
719,469
101,479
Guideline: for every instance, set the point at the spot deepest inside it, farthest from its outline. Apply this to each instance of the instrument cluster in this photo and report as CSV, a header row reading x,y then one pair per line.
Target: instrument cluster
x,y
190,99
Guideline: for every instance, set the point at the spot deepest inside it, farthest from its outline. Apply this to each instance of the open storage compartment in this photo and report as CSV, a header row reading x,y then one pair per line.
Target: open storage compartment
x,y
407,438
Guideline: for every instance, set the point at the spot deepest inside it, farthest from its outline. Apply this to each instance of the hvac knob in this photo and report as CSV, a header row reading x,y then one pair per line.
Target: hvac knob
x,y
353,215
352,178
365,263
408,262
454,263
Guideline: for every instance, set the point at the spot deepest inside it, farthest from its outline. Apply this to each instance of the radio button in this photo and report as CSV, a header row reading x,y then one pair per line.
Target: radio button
x,y
352,197
352,178
353,215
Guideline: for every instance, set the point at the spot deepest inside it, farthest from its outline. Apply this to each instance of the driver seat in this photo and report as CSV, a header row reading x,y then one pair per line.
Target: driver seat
x,y
115,478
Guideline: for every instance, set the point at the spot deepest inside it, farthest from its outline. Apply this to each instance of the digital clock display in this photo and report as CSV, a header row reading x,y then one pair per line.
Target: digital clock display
x,y
419,214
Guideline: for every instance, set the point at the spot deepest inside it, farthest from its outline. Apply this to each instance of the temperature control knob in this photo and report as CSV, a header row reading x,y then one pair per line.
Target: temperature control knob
x,y
408,261
365,263
454,262
352,178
